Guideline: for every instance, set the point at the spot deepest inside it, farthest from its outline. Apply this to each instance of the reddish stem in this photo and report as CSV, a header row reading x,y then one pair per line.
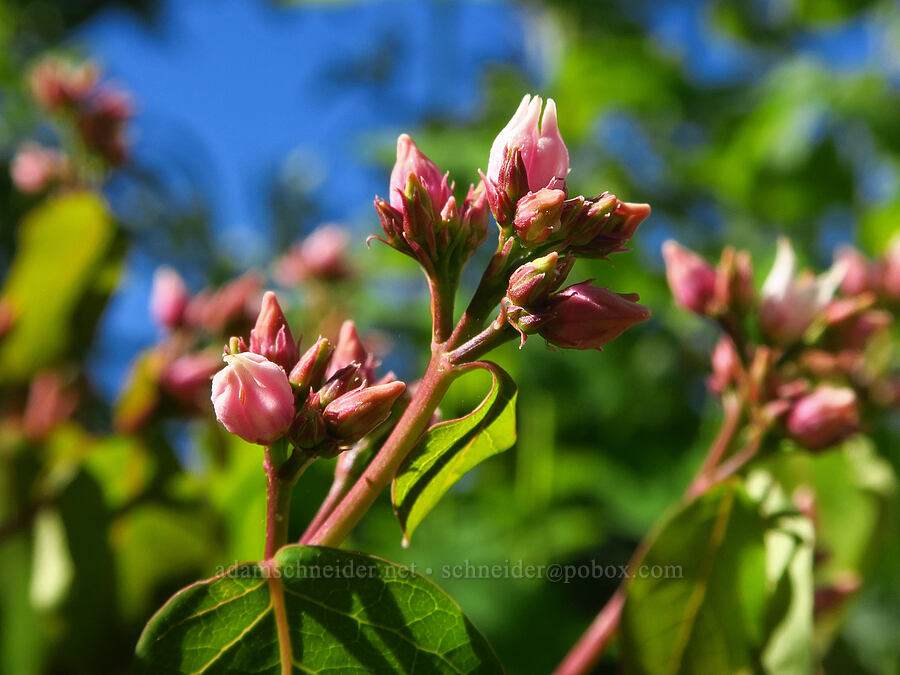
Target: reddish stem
x,y
588,650
384,466
590,647
343,471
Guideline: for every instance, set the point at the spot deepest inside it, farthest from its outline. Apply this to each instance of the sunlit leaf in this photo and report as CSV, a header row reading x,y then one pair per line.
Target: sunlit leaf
x,y
61,256
314,609
450,449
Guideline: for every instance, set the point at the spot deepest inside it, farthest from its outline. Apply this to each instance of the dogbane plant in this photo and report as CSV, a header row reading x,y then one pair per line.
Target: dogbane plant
x,y
292,611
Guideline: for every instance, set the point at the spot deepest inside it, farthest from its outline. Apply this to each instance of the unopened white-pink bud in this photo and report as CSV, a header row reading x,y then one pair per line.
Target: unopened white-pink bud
x,y
168,298
253,398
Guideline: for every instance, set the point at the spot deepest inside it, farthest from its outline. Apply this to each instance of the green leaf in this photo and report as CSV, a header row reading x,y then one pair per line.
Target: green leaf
x,y
62,247
789,572
314,609
449,449
704,611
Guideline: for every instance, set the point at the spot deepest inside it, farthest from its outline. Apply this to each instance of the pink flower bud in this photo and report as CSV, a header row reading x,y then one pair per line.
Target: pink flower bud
x,y
824,417
860,275
35,167
354,415
168,298
347,379
310,369
531,283
253,398
734,280
228,307
187,377
271,337
691,278
51,401
411,161
541,147
537,215
349,349
726,365
891,275
587,317
790,303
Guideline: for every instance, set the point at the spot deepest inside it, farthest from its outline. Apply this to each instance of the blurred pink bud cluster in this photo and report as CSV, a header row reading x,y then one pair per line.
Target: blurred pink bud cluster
x,y
321,256
805,353
98,115
323,399
35,168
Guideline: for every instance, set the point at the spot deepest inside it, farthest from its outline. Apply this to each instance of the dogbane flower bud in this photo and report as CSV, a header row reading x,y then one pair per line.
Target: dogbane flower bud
x,y
691,278
824,417
168,298
790,303
544,155
349,349
271,337
587,317
412,162
253,398
355,414
537,215
310,369
531,283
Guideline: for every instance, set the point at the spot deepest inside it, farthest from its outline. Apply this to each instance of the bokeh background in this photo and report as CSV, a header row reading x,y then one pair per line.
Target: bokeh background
x,y
257,121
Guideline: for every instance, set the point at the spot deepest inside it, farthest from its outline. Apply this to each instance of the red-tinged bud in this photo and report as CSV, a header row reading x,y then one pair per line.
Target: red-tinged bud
x,y
347,379
824,417
187,378
50,403
890,279
537,215
56,83
308,430
475,217
271,337
861,275
168,298
734,281
726,366
349,349
101,123
230,306
538,144
531,284
587,317
35,168
321,256
253,398
354,415
310,369
691,279
412,162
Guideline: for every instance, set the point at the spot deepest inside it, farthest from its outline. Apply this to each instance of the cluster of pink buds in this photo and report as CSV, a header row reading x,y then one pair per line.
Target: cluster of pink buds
x,y
422,218
97,114
542,230
805,352
323,400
